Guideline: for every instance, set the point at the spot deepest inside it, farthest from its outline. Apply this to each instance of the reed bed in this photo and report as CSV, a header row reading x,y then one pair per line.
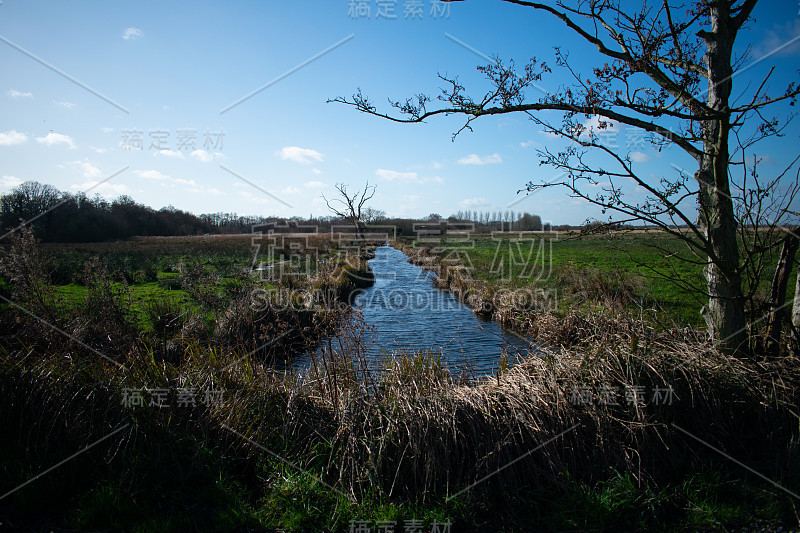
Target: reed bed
x,y
412,432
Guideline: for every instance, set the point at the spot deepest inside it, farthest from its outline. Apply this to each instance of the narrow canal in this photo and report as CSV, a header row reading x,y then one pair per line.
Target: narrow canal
x,y
405,312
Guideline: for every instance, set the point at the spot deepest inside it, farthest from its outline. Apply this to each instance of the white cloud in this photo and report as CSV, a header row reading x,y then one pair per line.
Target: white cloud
x,y
612,127
10,181
256,199
437,165
300,155
202,155
169,181
19,94
65,104
528,144
10,138
313,185
405,177
170,153
316,171
103,189
85,167
108,130
291,190
132,33
474,202
475,159
778,38
639,157
393,175
152,175
191,186
98,150
52,139
606,135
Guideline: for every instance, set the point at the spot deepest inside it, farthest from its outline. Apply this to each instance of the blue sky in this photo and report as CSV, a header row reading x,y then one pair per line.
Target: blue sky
x,y
174,67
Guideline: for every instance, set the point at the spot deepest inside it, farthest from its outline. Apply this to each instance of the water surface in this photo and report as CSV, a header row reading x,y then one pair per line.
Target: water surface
x,y
405,312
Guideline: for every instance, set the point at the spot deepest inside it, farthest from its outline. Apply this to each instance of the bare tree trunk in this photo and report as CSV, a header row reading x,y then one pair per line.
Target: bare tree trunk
x,y
777,312
724,314
725,311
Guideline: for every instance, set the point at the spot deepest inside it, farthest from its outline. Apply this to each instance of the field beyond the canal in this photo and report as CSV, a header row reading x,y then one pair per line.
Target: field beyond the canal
x,y
650,271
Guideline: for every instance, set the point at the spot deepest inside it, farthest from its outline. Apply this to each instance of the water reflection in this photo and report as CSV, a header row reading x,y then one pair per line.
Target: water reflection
x,y
405,312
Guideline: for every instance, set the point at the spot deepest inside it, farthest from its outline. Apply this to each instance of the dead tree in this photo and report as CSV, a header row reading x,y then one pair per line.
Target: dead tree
x,y
349,206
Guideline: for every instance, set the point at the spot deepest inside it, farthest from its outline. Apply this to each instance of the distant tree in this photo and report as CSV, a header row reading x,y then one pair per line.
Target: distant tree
x,y
349,206
669,74
434,217
370,215
28,201
528,222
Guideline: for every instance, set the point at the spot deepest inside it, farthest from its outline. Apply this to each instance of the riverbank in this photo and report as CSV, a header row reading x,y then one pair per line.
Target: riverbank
x,y
556,305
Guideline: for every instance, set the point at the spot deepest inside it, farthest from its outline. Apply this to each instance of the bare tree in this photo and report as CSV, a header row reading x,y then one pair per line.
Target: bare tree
x,y
670,74
349,206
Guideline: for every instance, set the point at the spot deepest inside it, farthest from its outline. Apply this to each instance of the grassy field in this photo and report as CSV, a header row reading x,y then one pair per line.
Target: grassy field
x,y
142,363
153,280
645,271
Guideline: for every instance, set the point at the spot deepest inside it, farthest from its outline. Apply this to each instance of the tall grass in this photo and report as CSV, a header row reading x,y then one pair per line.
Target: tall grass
x,y
410,433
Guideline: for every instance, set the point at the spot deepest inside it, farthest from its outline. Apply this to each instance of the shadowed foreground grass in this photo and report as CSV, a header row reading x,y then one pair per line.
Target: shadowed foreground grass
x,y
314,452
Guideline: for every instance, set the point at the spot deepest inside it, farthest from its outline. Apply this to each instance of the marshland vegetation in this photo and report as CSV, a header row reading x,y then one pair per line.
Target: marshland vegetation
x,y
610,427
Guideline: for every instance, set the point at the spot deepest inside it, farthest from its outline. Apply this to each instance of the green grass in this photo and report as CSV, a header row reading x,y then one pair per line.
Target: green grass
x,y
555,261
142,296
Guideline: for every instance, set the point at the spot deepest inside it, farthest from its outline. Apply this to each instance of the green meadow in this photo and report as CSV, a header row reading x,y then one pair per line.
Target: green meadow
x,y
652,271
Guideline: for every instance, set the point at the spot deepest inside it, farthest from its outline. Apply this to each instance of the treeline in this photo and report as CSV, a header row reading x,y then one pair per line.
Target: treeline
x,y
502,220
58,216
